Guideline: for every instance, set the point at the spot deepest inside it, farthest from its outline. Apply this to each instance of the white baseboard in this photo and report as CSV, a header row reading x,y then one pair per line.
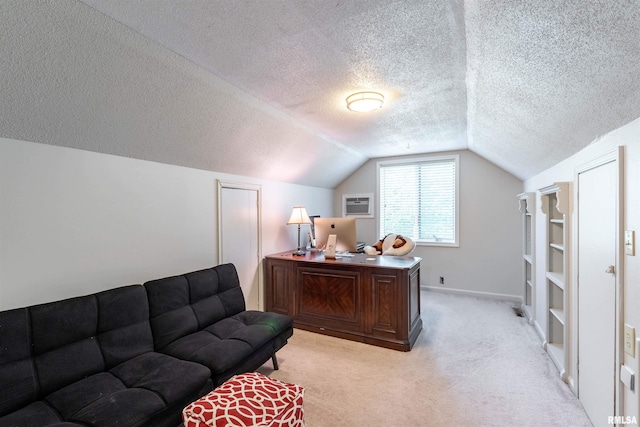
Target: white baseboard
x,y
539,331
526,309
486,295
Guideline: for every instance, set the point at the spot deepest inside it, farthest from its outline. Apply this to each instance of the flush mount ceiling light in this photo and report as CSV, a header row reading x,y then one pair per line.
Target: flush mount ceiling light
x,y
363,102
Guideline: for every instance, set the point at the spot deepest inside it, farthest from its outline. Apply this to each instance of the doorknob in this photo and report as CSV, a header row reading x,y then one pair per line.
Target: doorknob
x,y
611,269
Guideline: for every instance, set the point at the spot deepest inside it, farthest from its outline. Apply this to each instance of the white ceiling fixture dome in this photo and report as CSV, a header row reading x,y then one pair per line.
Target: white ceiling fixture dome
x,y
364,102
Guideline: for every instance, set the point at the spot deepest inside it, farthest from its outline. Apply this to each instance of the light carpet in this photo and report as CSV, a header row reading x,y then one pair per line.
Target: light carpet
x,y
476,363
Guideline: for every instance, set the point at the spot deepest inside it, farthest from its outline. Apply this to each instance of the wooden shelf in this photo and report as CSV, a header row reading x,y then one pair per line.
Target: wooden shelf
x,y
558,313
556,204
557,246
527,207
556,278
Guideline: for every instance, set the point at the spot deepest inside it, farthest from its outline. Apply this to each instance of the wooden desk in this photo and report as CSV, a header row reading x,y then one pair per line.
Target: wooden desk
x,y
371,299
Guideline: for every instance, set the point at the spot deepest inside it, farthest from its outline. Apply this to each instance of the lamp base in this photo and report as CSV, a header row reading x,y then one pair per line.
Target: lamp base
x,y
299,252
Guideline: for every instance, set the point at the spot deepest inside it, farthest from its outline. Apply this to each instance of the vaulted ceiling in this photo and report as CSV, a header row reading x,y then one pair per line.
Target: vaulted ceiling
x,y
258,87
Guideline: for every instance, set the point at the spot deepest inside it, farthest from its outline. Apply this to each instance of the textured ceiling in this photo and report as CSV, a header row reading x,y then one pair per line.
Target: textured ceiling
x,y
257,87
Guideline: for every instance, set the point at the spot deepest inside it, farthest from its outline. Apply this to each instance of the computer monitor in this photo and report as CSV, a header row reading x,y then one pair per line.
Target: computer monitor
x,y
343,228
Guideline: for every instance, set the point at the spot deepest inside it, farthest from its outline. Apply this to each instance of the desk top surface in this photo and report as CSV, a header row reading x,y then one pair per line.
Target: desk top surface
x,y
315,256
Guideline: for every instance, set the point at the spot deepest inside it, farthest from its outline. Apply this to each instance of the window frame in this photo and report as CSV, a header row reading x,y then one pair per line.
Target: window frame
x,y
417,160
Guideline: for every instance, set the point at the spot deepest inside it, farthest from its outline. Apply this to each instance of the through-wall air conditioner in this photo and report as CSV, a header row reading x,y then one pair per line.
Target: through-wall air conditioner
x,y
357,205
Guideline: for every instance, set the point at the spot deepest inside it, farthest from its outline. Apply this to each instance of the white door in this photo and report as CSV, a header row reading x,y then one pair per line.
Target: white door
x,y
597,229
239,233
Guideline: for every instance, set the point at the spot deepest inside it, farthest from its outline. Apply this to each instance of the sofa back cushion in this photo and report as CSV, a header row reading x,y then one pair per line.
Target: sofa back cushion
x,y
65,348
124,330
215,294
182,305
169,309
19,385
49,346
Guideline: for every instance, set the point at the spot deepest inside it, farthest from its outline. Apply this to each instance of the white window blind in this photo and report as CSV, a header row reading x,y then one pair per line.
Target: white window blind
x,y
418,199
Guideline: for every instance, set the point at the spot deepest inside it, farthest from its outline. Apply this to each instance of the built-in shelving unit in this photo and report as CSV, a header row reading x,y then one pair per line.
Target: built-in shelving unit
x,y
527,206
555,203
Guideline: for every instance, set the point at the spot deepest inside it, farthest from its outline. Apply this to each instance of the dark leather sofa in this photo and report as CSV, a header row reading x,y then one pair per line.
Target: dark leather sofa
x,y
131,356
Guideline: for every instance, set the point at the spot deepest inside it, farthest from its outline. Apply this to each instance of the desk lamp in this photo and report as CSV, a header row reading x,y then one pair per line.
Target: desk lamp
x,y
299,216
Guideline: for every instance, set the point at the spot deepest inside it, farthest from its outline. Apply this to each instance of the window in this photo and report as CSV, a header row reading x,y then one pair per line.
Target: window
x,y
419,199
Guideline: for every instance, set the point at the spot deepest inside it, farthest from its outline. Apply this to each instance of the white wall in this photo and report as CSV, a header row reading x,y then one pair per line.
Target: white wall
x,y
489,258
74,222
629,137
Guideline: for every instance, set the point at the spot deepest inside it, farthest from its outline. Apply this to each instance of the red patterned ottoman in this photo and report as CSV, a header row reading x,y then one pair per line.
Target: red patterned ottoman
x,y
250,399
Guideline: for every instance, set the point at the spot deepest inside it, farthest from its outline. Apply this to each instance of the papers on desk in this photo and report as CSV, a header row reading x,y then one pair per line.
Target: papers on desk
x,y
344,254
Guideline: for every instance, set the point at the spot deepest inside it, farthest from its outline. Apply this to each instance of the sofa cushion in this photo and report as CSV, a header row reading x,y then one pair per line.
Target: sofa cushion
x,y
132,407
182,305
65,347
215,293
131,393
59,323
17,373
37,414
166,376
171,314
103,400
124,330
71,399
224,344
68,364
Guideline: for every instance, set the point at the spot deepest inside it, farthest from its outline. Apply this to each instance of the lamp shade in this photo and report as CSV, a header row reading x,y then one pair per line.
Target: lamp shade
x,y
364,102
299,216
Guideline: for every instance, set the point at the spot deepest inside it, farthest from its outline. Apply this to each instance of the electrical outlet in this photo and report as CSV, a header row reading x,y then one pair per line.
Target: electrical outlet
x,y
441,280
630,340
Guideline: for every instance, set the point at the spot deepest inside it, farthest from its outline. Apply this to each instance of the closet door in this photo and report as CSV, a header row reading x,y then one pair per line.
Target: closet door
x,y
239,237
597,288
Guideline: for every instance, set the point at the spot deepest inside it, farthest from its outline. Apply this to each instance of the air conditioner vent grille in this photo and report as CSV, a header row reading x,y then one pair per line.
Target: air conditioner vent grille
x,y
357,205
